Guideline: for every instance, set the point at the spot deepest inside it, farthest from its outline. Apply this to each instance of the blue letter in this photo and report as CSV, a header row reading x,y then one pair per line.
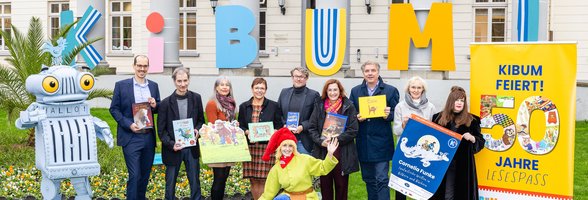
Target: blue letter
x,y
235,48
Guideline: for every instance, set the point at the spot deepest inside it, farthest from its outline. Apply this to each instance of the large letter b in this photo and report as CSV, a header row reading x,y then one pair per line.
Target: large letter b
x,y
235,48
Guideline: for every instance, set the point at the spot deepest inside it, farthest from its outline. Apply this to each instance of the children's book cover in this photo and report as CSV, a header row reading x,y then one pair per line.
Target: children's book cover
x,y
372,106
184,132
292,120
223,142
261,132
142,115
334,125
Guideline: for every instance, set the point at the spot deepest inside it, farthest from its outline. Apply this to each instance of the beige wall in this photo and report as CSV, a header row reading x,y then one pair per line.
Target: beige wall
x,y
568,21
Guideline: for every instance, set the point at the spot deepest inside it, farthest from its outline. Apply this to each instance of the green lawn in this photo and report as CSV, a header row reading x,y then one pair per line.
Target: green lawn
x,y
14,153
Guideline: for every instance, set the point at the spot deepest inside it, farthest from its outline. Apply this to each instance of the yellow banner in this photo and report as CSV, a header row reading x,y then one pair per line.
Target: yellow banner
x,y
525,95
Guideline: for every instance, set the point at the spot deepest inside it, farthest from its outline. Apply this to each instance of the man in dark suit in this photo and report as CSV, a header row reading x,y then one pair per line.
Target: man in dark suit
x,y
182,104
300,99
138,144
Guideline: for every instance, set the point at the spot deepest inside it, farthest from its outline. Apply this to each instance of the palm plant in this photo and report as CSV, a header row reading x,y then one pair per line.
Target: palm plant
x,y
27,58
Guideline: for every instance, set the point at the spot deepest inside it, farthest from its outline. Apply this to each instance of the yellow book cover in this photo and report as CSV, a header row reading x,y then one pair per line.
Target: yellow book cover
x,y
372,106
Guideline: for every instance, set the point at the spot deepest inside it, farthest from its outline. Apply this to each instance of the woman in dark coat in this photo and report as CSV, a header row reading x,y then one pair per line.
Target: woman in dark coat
x,y
258,109
460,181
334,100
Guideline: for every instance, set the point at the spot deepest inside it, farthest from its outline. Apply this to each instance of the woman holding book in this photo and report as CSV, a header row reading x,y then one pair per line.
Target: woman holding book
x,y
460,181
335,117
255,110
221,106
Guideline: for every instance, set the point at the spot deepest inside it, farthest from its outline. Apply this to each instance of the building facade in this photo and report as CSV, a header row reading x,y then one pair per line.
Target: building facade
x,y
280,35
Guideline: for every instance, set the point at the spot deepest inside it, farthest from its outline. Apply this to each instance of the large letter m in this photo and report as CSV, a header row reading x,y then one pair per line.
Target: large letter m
x,y
438,29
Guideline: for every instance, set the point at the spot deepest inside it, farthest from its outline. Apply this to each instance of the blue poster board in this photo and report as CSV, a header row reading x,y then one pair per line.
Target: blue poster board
x,y
421,158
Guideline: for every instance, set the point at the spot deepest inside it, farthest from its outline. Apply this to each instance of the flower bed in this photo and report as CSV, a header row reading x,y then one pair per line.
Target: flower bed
x,y
18,183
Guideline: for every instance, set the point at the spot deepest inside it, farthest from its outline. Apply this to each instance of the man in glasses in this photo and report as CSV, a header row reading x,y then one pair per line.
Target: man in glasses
x,y
138,143
299,99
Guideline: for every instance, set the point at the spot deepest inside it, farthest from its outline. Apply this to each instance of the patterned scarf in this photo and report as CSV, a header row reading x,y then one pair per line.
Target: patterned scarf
x,y
228,105
284,161
335,107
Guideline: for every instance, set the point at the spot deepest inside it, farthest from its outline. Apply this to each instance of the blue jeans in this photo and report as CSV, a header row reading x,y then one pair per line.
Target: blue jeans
x,y
375,176
300,148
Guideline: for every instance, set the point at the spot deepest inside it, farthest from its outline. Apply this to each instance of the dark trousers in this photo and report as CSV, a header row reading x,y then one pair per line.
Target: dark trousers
x,y
338,180
400,196
192,171
375,176
220,175
139,155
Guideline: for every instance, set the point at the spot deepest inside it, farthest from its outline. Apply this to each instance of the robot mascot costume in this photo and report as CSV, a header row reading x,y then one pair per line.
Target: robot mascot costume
x,y
65,132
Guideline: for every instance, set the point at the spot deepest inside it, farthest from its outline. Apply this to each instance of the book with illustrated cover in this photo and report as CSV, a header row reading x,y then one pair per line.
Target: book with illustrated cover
x,y
261,132
223,142
334,125
142,115
184,132
292,120
372,106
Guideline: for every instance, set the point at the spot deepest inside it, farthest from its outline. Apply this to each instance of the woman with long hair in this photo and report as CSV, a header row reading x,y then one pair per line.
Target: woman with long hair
x,y
258,109
221,106
460,181
334,100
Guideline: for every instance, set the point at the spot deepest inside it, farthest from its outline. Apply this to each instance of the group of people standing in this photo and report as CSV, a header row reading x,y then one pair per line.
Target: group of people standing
x,y
300,154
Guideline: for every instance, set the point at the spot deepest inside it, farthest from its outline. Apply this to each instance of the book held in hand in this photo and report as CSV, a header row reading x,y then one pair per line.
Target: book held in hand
x,y
292,120
261,132
184,132
372,106
142,115
334,125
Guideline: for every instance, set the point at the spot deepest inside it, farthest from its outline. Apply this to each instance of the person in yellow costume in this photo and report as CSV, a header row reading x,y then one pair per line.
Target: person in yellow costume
x,y
293,171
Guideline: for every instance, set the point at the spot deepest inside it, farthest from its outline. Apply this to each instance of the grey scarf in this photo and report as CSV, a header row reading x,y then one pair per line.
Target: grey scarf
x,y
422,104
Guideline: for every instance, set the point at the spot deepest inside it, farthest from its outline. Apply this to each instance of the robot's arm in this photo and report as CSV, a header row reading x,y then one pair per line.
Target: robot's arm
x,y
103,131
30,117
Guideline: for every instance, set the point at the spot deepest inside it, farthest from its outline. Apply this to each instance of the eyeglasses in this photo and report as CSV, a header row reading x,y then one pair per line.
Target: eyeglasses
x,y
299,77
142,66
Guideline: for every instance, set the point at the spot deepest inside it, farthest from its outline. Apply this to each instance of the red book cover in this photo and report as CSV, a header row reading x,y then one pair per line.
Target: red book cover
x,y
142,115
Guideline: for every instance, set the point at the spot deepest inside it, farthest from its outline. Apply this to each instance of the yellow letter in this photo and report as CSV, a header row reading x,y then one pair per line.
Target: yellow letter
x,y
438,29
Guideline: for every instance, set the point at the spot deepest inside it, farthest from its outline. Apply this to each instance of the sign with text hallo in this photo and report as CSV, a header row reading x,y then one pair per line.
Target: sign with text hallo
x,y
525,95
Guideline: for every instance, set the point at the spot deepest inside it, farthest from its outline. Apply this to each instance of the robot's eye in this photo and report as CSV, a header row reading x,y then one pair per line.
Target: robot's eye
x,y
50,84
87,82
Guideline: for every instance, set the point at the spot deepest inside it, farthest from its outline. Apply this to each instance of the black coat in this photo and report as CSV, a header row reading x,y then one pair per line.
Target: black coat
x,y
466,180
349,161
168,112
270,112
306,107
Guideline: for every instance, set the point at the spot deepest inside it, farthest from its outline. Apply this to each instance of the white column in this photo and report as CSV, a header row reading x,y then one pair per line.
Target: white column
x,y
339,4
170,10
99,28
252,5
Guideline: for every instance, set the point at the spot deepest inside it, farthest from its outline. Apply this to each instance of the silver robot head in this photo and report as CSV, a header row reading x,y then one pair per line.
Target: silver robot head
x,y
60,85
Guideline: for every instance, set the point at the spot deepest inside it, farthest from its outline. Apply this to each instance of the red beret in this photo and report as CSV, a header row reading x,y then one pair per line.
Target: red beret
x,y
277,138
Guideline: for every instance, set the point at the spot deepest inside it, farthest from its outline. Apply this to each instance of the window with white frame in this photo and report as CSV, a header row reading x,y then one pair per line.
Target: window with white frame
x,y
121,25
5,11
187,25
490,20
262,24
55,9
